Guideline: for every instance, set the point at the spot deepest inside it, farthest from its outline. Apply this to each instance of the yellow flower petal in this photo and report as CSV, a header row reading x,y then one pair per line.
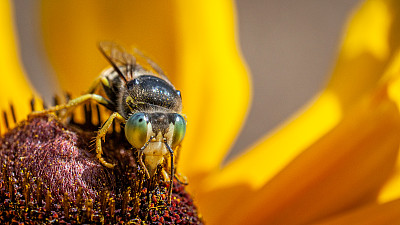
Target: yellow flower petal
x,y
234,174
361,64
271,155
14,88
391,189
214,80
343,169
193,41
366,49
72,30
374,214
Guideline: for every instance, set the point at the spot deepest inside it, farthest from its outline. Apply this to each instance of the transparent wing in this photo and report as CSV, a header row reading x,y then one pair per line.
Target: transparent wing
x,y
156,68
118,57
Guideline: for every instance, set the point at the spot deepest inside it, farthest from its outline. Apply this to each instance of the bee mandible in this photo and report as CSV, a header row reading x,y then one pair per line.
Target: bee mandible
x,y
144,101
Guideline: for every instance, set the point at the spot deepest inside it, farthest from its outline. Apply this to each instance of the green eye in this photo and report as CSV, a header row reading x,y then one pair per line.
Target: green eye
x,y
136,129
179,130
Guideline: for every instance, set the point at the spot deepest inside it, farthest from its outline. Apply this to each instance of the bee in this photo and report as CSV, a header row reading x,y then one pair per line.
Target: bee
x,y
144,101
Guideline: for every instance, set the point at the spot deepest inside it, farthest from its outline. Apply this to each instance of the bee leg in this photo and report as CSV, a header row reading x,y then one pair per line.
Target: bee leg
x,y
99,80
165,175
101,134
182,179
171,180
72,104
141,163
146,171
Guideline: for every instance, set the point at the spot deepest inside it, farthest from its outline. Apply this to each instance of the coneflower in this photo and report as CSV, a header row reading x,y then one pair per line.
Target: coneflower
x,y
50,174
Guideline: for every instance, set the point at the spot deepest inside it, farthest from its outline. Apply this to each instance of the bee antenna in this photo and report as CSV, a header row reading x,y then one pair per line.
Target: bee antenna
x,y
120,74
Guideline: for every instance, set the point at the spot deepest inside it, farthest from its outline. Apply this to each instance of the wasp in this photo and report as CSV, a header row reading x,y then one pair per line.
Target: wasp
x,y
144,101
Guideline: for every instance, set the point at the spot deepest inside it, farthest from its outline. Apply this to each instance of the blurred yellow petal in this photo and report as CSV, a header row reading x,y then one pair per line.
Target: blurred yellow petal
x,y
14,88
72,30
361,64
193,41
391,190
273,153
215,82
374,214
359,70
369,43
343,169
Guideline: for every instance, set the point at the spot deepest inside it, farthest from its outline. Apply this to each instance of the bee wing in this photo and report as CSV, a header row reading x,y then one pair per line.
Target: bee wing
x,y
117,56
117,53
151,63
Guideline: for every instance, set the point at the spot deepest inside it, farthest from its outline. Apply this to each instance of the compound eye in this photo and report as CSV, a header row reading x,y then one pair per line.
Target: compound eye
x,y
136,129
179,130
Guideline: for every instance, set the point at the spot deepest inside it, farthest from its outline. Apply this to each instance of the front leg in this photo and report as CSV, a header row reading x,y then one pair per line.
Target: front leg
x,y
171,180
179,177
101,135
72,104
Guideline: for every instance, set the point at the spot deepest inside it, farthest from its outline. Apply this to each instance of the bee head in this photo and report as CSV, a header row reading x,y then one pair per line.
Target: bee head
x,y
142,127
